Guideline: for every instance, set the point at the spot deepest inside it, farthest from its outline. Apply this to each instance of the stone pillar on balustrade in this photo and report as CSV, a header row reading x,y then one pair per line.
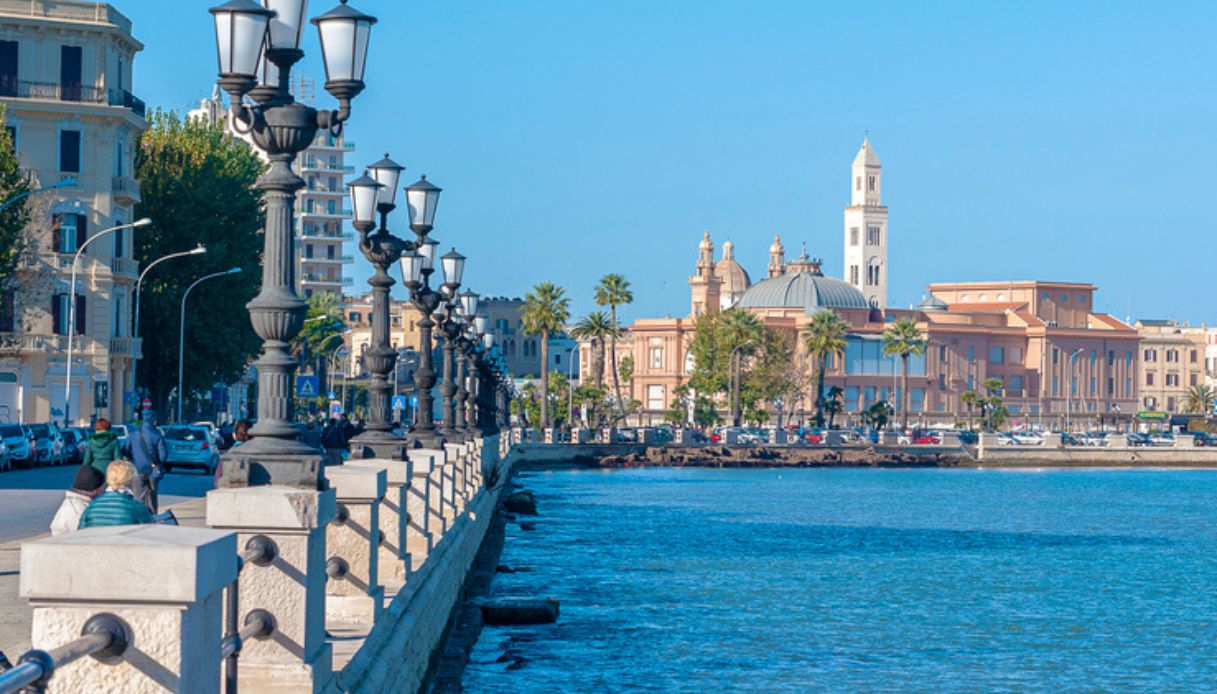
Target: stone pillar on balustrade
x,y
291,588
423,505
354,594
394,565
161,587
454,501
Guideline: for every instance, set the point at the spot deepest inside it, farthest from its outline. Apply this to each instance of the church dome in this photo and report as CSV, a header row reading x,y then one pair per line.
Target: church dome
x,y
932,303
808,290
734,278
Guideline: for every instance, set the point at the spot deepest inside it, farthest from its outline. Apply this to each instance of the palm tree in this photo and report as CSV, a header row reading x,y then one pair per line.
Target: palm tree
x,y
614,291
545,311
1200,399
904,339
826,336
597,328
833,404
970,398
741,334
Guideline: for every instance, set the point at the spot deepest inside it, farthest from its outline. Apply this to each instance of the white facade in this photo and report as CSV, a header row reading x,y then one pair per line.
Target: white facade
x,y
866,228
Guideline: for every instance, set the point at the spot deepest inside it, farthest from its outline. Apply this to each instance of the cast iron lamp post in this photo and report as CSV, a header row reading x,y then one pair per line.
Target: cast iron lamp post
x,y
453,264
416,269
257,43
375,192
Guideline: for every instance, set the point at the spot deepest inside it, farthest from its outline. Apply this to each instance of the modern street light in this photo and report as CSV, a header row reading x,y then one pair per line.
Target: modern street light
x,y
67,386
197,250
246,34
416,268
65,183
181,340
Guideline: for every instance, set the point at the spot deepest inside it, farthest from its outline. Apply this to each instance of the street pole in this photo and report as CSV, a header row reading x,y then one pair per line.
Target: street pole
x,y
65,183
67,385
181,341
139,284
281,127
570,383
1069,388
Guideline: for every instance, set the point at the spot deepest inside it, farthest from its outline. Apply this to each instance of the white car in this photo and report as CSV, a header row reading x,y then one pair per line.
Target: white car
x,y
1027,438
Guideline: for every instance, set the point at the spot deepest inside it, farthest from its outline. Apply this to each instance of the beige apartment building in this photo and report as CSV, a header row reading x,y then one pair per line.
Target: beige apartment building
x,y
1172,363
65,78
357,313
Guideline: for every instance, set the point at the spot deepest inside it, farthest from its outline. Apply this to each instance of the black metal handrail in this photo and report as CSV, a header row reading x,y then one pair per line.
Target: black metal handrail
x,y
260,550
104,637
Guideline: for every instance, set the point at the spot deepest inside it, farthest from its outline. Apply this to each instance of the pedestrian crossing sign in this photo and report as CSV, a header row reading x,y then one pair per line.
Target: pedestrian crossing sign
x,y
399,402
307,386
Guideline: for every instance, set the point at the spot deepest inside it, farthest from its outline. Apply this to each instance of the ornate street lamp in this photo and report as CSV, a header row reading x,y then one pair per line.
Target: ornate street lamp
x,y
247,32
453,265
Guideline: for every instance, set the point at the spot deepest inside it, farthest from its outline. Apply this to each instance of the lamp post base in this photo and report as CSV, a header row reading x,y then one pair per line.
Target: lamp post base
x,y
246,468
379,444
430,439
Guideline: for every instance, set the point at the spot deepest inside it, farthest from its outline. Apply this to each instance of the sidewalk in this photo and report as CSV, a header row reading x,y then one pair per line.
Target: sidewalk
x,y
16,613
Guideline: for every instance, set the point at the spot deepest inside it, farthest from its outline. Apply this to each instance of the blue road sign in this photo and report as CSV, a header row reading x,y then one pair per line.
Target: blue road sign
x,y
307,386
413,401
335,409
399,402
131,398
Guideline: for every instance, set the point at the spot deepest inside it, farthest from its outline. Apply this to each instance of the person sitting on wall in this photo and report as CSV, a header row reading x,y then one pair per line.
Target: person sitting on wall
x,y
117,506
90,482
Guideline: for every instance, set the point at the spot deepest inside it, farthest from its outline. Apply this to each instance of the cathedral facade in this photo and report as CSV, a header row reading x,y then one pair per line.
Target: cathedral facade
x,y
1055,356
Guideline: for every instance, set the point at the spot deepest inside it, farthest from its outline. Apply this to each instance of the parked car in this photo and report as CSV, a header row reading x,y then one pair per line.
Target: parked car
x,y
968,437
6,463
1137,440
74,440
190,446
1027,438
1205,439
927,439
17,443
1162,439
48,444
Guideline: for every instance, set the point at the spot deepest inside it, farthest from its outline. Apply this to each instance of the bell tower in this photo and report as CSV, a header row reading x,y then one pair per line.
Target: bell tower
x,y
866,228
705,284
777,258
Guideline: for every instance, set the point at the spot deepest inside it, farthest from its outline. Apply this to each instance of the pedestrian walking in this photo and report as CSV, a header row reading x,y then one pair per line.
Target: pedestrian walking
x,y
117,505
89,484
147,451
102,447
334,441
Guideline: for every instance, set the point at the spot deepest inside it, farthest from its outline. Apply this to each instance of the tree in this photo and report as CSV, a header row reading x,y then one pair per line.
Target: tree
x,y
826,336
1200,399
972,399
992,412
678,413
614,291
322,331
14,185
597,328
878,414
197,185
833,404
904,339
545,312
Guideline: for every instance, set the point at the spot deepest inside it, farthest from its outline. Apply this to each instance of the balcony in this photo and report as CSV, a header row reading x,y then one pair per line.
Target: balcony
x,y
315,233
125,189
344,213
126,347
124,267
310,278
71,93
314,164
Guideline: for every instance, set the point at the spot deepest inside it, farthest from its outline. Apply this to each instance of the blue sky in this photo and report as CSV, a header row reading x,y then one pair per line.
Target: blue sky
x,y
1033,140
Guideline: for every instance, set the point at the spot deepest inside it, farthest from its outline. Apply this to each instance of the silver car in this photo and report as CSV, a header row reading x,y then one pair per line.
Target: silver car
x,y
17,442
190,446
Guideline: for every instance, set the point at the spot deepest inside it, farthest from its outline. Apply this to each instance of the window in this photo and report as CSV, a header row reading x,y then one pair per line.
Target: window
x,y
1170,404
655,398
353,317
1081,298
557,359
330,252
1193,380
853,236
308,250
70,64
1172,380
1111,386
657,357
942,353
119,239
1056,355
68,232
997,355
971,353
61,313
870,183
853,275
8,68
119,302
857,183
1064,298
118,158
8,311
1151,355
874,236
1191,357
69,151
1016,355
942,382
1172,355
1111,357
1016,385
1056,385
1149,378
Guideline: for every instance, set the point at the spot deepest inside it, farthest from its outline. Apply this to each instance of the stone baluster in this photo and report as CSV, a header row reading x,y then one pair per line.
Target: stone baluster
x,y
419,530
292,587
394,565
164,584
354,594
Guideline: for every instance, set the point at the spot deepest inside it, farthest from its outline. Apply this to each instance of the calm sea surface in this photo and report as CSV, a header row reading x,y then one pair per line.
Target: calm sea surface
x,y
862,580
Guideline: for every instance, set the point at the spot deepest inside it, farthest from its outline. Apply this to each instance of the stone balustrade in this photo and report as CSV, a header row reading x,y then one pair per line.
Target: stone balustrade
x,y
378,559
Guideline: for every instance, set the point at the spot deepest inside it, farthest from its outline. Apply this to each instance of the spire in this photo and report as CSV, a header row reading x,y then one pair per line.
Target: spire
x,y
866,155
728,250
777,258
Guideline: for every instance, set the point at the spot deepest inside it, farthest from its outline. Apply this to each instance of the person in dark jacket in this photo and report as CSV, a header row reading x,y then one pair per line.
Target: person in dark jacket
x,y
147,450
334,441
102,447
116,506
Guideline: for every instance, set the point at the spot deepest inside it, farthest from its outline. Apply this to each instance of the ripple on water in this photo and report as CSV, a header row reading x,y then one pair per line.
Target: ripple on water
x,y
862,580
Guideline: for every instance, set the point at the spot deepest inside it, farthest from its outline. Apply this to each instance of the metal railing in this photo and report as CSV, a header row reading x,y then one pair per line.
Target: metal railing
x,y
259,624
105,637
71,92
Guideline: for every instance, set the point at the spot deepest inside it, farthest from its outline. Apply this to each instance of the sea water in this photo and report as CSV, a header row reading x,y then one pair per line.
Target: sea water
x,y
700,580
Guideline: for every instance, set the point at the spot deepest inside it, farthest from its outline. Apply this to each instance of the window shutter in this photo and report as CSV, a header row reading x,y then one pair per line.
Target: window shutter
x,y
56,314
56,222
80,314
82,230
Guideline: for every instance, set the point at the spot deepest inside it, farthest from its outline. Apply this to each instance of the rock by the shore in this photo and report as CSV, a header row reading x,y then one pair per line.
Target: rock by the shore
x,y
518,611
523,503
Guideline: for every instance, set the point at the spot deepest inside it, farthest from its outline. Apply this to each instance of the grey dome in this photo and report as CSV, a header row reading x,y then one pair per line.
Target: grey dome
x,y
932,303
805,290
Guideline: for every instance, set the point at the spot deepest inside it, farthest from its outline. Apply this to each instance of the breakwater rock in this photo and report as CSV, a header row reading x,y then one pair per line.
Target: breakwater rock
x,y
820,456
